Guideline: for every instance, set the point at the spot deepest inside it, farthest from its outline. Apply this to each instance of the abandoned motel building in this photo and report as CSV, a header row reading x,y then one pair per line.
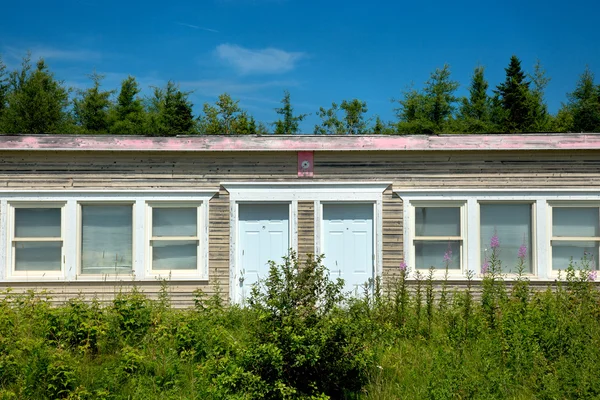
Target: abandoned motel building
x,y
85,215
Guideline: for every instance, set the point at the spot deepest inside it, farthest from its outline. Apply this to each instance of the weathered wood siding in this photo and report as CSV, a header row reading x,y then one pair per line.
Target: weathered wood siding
x,y
123,170
82,170
306,228
465,169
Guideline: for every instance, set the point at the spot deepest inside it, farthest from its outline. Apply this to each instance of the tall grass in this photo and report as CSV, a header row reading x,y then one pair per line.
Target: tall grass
x,y
301,337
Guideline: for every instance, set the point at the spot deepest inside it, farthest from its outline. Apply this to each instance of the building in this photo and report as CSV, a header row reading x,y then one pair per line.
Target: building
x,y
94,214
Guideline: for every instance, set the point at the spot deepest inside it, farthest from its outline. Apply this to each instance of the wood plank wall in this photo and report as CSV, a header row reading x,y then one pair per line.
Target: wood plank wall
x,y
40,170
306,228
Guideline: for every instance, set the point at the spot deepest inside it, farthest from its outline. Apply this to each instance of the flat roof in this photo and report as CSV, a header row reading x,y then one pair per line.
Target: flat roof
x,y
200,143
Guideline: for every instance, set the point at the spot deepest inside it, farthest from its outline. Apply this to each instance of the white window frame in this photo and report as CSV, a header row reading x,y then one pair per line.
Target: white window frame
x,y
12,239
533,250
292,193
567,204
462,206
201,239
80,205
71,229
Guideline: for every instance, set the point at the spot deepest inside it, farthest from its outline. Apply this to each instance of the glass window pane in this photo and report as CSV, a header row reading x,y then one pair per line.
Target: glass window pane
x,y
437,221
37,222
575,221
512,224
106,239
167,255
563,252
38,256
174,221
431,253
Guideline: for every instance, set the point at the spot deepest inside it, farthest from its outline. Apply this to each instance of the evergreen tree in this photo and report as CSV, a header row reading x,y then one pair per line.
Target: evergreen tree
x,y
128,116
439,95
429,111
4,89
288,123
563,120
584,104
541,120
36,102
476,111
515,98
244,124
170,112
92,107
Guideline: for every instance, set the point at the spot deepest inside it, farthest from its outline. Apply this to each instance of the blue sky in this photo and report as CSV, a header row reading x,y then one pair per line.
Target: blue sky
x,y
321,51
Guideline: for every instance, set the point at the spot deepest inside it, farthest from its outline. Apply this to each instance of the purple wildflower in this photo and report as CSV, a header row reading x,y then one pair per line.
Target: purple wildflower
x,y
403,266
522,252
592,276
485,266
448,255
495,242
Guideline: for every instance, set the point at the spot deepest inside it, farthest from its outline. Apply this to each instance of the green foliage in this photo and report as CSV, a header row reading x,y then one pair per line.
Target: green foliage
x,y
584,104
301,338
36,102
288,123
432,110
303,343
92,106
352,122
516,99
170,112
475,115
128,116
226,118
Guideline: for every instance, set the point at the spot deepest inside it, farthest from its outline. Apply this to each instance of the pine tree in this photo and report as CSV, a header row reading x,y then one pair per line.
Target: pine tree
x,y
37,103
128,116
475,111
540,117
4,89
514,97
584,104
439,94
288,123
429,111
92,107
170,112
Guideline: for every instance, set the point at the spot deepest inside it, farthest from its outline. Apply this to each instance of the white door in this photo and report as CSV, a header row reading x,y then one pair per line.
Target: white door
x,y
348,243
263,237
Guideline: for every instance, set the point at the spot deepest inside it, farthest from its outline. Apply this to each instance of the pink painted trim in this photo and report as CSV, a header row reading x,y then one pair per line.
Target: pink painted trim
x,y
306,162
582,141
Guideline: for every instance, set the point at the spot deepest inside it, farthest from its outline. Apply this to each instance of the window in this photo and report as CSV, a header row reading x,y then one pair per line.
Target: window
x,y
37,243
575,236
511,223
174,239
106,239
438,236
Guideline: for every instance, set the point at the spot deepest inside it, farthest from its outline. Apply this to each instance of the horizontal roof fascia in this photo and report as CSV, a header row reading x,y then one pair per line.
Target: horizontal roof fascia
x,y
204,143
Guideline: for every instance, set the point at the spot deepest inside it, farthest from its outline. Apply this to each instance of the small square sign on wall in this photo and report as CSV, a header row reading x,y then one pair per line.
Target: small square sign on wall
x,y
305,164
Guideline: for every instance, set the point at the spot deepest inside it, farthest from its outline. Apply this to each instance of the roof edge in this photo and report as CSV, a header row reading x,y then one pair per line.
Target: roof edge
x,y
203,143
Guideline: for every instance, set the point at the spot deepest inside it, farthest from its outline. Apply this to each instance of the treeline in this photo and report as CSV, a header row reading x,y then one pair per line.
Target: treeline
x,y
33,101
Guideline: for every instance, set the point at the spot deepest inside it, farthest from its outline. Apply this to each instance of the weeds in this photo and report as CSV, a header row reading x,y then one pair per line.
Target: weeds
x,y
300,337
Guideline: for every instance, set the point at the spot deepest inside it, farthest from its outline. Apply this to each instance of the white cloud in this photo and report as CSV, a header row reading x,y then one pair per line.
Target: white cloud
x,y
48,53
261,61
